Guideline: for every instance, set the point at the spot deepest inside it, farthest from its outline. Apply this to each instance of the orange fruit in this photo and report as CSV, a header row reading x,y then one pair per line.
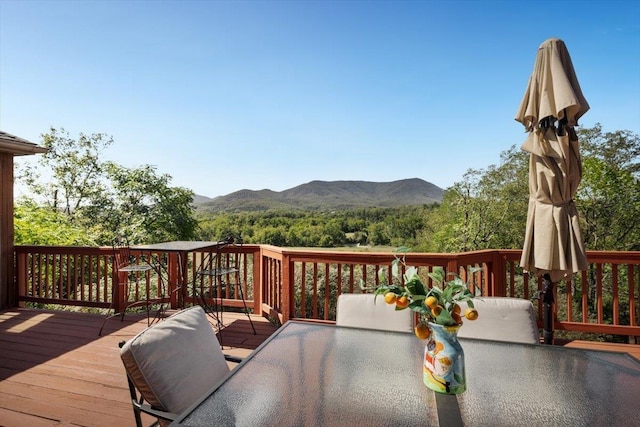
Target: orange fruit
x,y
422,331
390,298
402,302
437,310
456,309
471,313
431,301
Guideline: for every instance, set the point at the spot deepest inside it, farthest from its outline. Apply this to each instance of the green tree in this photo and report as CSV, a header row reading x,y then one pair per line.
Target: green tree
x,y
608,199
43,225
75,168
103,198
487,209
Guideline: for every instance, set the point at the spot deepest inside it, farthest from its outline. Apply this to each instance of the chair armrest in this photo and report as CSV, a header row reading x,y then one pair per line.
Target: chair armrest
x,y
147,409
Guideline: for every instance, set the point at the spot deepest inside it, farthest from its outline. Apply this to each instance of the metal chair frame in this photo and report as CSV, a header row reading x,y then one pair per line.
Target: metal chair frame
x,y
211,266
134,267
140,407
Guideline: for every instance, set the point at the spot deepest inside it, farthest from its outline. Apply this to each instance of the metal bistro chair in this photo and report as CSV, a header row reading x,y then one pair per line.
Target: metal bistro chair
x,y
171,364
223,269
129,267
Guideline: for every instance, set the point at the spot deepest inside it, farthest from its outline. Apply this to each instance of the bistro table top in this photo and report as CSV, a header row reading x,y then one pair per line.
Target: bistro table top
x,y
178,246
310,374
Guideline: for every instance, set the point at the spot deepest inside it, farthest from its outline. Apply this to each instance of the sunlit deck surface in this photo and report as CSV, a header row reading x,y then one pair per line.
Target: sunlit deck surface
x,y
56,371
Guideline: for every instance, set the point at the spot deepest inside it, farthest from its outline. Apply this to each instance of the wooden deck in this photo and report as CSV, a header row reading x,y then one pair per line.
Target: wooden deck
x,y
56,371
632,349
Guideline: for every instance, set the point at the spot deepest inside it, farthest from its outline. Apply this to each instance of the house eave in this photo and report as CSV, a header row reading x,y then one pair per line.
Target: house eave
x,y
12,144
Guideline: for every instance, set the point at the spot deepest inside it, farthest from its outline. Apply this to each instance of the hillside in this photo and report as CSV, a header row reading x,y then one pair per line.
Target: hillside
x,y
328,195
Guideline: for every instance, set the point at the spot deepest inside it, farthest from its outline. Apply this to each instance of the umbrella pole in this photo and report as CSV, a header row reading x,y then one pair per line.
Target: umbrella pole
x,y
547,300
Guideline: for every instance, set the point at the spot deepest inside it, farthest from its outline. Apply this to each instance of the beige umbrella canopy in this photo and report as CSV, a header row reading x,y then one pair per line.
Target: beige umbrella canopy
x,y
551,107
552,104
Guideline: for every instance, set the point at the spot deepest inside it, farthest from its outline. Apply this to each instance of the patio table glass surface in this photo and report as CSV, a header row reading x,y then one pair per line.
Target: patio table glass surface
x,y
310,374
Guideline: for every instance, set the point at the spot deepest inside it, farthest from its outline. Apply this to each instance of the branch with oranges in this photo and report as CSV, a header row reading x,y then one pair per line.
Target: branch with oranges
x,y
439,304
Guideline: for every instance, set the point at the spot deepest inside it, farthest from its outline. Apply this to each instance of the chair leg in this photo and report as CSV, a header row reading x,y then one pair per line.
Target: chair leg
x,y
104,322
246,310
161,299
115,313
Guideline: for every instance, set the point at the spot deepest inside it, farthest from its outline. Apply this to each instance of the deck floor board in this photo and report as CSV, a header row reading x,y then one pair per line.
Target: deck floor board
x,y
56,371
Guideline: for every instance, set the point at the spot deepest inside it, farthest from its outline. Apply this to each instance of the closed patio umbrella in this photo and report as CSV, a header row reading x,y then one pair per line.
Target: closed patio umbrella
x,y
552,104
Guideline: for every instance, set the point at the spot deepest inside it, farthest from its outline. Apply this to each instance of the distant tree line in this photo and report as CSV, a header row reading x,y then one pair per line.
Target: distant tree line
x,y
88,200
364,226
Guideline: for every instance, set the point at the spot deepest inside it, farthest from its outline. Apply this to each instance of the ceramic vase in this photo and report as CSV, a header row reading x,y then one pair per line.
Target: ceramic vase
x,y
443,367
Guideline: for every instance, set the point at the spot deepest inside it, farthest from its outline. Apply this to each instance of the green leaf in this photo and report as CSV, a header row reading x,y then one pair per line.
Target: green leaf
x,y
444,318
437,275
395,268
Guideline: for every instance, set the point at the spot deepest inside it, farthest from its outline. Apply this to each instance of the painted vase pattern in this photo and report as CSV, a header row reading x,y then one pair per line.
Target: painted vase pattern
x,y
443,369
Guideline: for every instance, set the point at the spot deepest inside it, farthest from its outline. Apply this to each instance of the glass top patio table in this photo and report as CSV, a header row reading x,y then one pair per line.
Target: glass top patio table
x,y
310,374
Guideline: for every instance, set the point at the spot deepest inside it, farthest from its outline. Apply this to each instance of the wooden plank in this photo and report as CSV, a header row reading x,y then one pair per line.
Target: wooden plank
x,y
632,349
55,370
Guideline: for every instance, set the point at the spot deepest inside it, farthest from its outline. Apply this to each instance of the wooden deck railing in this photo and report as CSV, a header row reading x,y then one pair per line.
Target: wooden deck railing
x,y
304,284
87,277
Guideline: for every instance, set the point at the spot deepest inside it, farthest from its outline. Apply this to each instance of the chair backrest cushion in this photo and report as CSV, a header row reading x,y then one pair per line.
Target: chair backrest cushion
x,y
502,319
174,362
360,310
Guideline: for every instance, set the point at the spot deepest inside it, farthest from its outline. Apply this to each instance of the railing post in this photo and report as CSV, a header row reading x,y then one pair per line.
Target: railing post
x,y
257,281
116,296
496,274
287,287
21,281
174,280
452,266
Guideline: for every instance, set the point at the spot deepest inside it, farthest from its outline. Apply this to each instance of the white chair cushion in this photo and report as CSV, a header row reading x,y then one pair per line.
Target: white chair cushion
x,y
360,311
174,362
502,319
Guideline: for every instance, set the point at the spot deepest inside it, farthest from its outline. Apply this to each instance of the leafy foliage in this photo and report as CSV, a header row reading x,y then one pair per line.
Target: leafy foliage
x,y
371,226
43,225
488,208
608,199
102,198
437,304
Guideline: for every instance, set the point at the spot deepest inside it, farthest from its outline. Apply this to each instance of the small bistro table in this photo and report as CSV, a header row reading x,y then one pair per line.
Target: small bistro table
x,y
181,248
310,374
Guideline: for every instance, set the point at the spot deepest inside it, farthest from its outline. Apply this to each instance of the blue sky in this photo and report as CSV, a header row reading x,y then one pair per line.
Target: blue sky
x,y
228,95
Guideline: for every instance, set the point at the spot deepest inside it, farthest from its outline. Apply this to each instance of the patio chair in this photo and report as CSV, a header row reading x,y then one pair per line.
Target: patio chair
x,y
128,270
224,273
502,319
171,364
360,311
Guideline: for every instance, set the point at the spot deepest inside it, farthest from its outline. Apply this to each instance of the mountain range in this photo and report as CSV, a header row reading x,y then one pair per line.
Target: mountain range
x,y
327,195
